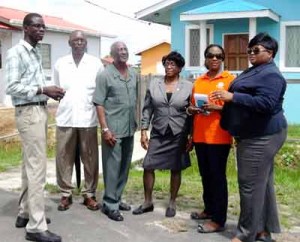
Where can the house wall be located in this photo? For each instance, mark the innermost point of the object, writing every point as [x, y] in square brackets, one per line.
[288, 11]
[59, 47]
[6, 43]
[151, 59]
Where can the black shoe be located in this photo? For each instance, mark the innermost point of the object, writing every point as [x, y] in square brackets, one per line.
[124, 207]
[265, 237]
[141, 210]
[45, 236]
[170, 212]
[22, 222]
[112, 214]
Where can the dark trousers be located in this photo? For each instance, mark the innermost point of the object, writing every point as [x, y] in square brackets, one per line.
[116, 162]
[255, 160]
[212, 160]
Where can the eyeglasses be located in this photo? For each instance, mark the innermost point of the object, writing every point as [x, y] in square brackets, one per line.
[256, 50]
[171, 64]
[38, 26]
[211, 56]
[78, 40]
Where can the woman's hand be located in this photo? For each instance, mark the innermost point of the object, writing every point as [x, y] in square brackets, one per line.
[221, 95]
[109, 138]
[144, 139]
[211, 107]
[192, 110]
[189, 144]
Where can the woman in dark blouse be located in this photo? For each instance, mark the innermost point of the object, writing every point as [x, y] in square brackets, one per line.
[253, 114]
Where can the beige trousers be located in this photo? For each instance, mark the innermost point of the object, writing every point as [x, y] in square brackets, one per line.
[31, 122]
[67, 138]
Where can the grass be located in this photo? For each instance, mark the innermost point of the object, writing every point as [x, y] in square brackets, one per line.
[10, 155]
[287, 182]
[287, 185]
[294, 131]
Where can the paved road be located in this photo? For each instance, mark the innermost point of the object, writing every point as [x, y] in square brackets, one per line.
[79, 224]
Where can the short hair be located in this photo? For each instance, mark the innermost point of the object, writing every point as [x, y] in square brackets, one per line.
[28, 18]
[114, 46]
[174, 56]
[77, 31]
[214, 45]
[265, 40]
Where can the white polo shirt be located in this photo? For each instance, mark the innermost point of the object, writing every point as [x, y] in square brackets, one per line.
[76, 109]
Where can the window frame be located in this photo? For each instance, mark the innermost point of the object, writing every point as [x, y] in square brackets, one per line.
[43, 56]
[188, 27]
[282, 48]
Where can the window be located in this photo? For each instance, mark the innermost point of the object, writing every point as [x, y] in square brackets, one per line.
[292, 46]
[289, 46]
[193, 44]
[45, 51]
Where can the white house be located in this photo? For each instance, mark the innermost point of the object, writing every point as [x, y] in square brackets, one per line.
[53, 46]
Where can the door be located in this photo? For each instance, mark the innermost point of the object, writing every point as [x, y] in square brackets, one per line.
[235, 46]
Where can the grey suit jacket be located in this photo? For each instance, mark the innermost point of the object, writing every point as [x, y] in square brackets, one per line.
[162, 113]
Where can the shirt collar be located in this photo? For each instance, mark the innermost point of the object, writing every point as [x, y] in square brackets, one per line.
[71, 59]
[28, 46]
[223, 74]
[116, 73]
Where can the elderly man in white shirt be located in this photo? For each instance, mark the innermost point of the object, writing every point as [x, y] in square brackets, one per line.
[77, 121]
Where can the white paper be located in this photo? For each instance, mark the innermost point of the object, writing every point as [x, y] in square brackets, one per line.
[200, 99]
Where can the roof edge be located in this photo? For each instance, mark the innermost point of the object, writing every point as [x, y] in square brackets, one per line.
[231, 15]
[18, 23]
[156, 7]
[152, 46]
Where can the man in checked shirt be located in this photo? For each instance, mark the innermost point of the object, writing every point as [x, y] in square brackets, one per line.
[25, 83]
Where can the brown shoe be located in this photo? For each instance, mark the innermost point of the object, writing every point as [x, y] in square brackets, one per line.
[91, 203]
[65, 203]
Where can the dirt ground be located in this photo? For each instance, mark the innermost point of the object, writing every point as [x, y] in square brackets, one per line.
[7, 124]
[7, 119]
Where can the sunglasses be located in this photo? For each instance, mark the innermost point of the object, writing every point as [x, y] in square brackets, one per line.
[211, 56]
[255, 50]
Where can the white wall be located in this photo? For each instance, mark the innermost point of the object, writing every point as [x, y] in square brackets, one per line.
[59, 47]
[6, 43]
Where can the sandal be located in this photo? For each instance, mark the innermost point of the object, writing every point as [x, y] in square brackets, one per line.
[200, 216]
[210, 227]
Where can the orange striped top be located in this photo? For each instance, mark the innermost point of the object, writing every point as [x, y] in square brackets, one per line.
[206, 128]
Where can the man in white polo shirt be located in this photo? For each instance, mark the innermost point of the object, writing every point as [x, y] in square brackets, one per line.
[76, 121]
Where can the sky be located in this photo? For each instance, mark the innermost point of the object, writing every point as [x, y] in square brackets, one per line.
[138, 35]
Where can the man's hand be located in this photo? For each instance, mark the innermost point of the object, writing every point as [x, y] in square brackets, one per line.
[54, 92]
[109, 138]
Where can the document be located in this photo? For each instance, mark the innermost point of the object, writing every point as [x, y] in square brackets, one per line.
[200, 99]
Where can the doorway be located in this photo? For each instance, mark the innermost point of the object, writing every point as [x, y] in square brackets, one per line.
[235, 46]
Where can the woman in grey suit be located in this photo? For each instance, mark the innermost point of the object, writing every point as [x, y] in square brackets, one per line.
[165, 106]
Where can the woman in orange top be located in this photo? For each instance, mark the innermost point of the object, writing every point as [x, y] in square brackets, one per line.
[212, 143]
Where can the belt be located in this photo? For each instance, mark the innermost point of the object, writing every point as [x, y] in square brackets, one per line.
[44, 103]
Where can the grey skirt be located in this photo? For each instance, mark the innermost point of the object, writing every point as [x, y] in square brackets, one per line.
[167, 152]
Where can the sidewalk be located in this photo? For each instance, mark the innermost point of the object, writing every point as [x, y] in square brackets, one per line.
[79, 224]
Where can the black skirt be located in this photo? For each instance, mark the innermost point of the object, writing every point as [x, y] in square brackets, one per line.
[167, 152]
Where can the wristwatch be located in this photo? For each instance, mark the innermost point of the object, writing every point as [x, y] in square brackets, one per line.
[104, 130]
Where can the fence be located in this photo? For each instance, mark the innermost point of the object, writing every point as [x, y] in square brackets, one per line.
[143, 82]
